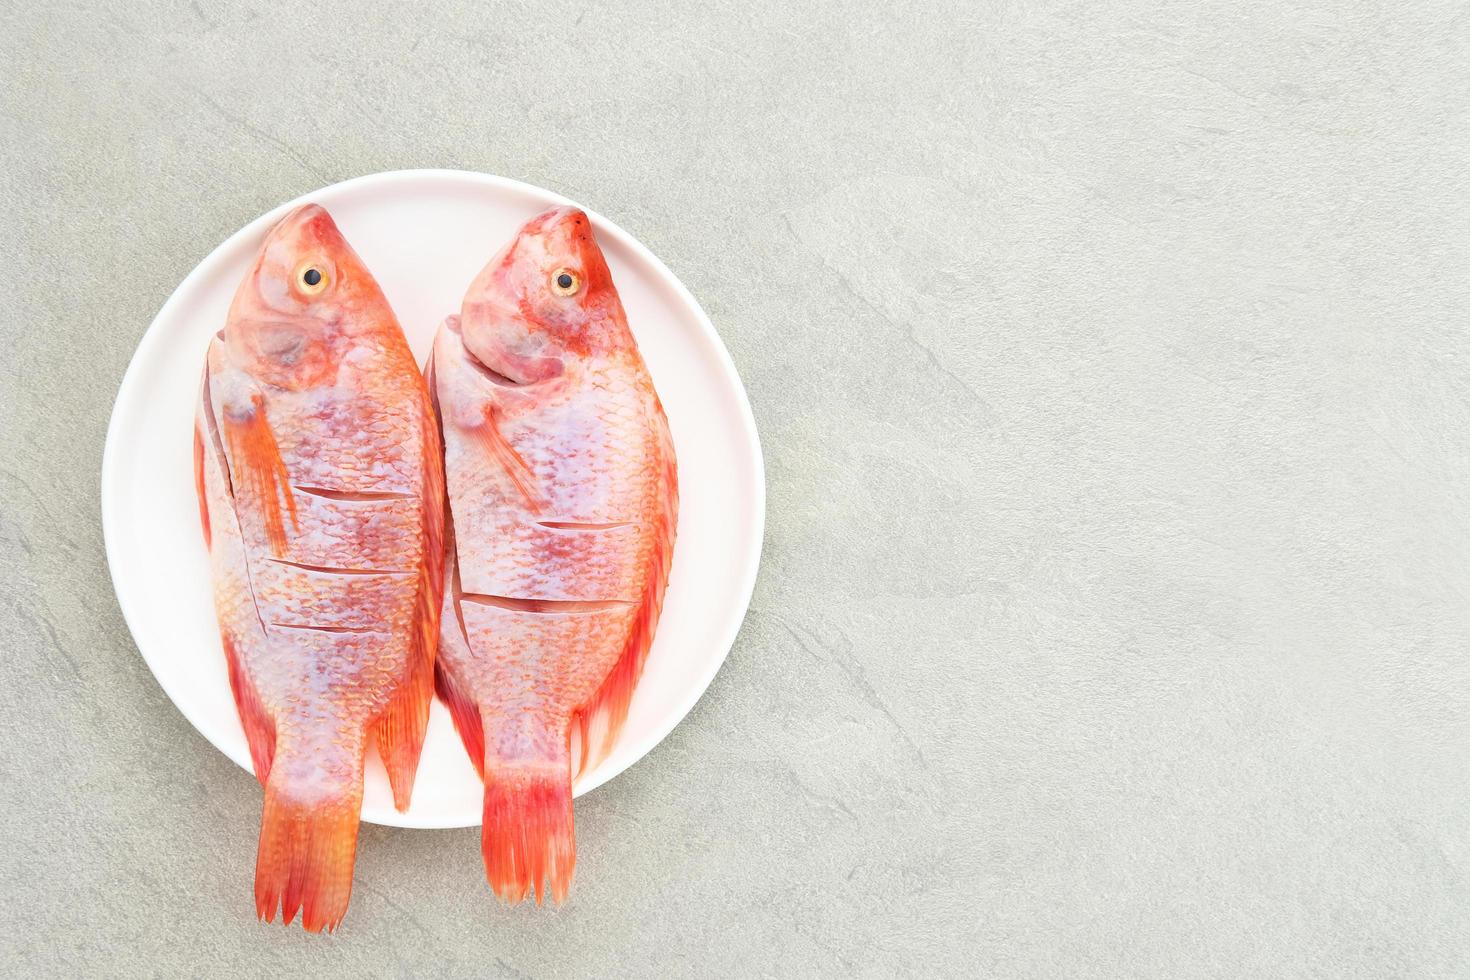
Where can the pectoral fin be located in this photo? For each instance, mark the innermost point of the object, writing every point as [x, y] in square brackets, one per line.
[488, 435]
[463, 400]
[256, 468]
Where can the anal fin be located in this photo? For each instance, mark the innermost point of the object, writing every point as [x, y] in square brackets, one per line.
[260, 729]
[452, 637]
[466, 715]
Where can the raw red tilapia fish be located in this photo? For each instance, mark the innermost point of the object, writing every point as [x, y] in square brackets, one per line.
[321, 490]
[562, 499]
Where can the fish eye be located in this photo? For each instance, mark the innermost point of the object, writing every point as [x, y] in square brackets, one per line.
[565, 282]
[311, 279]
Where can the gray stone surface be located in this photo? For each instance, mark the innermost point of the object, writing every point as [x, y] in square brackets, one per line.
[1112, 366]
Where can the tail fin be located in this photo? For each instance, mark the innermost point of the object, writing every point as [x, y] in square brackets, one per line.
[528, 840]
[307, 847]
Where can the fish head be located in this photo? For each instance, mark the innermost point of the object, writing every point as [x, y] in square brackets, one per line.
[543, 300]
[305, 294]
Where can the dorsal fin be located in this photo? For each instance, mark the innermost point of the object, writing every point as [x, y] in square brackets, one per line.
[616, 692]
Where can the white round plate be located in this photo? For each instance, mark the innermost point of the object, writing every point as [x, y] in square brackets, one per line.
[424, 234]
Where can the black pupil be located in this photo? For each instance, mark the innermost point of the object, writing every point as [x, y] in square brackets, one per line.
[564, 280]
[312, 277]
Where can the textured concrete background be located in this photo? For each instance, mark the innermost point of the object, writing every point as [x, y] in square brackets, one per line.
[1112, 363]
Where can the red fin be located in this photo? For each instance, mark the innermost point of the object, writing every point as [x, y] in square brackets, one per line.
[258, 469]
[466, 717]
[616, 691]
[400, 731]
[199, 484]
[305, 858]
[490, 437]
[462, 708]
[260, 730]
[528, 839]
[583, 721]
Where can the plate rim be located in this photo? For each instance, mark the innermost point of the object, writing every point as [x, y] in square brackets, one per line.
[127, 393]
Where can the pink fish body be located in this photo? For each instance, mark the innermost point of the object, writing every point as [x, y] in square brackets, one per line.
[321, 491]
[563, 498]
